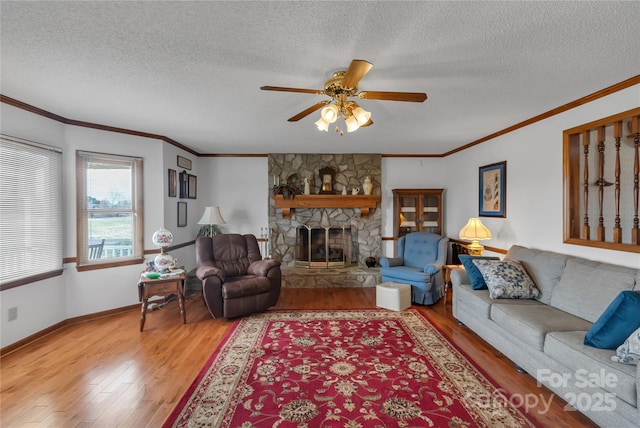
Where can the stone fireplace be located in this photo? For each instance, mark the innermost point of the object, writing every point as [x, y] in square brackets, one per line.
[321, 213]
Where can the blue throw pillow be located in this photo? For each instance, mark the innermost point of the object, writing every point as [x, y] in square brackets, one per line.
[477, 281]
[616, 323]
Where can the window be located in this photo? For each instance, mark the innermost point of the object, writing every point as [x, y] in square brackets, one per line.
[30, 212]
[109, 205]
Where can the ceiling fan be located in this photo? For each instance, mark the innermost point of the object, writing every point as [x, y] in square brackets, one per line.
[340, 87]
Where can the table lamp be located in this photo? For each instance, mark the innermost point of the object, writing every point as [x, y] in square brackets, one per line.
[162, 238]
[211, 218]
[475, 231]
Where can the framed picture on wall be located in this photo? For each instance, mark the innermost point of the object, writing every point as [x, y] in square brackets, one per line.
[184, 163]
[184, 184]
[193, 187]
[182, 214]
[492, 191]
[173, 183]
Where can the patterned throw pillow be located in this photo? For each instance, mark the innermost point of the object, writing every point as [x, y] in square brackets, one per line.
[629, 351]
[507, 279]
[477, 281]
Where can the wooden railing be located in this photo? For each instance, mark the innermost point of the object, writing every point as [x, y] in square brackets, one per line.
[606, 148]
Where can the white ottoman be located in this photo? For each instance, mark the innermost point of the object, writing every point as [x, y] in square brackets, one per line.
[393, 295]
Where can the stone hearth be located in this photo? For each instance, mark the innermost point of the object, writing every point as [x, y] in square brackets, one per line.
[350, 277]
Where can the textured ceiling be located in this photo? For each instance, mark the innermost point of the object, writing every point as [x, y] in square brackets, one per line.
[191, 71]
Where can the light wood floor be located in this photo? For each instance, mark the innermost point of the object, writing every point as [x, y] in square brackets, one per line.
[105, 373]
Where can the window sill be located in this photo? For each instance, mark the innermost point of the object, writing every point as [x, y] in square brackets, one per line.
[106, 265]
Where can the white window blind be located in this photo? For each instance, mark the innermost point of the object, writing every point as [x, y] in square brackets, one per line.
[31, 230]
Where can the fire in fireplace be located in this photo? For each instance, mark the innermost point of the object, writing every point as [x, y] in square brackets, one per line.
[324, 247]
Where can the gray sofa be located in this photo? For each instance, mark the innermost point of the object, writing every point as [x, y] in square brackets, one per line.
[545, 336]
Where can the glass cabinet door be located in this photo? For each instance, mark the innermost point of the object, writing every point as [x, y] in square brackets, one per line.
[408, 215]
[431, 214]
[417, 210]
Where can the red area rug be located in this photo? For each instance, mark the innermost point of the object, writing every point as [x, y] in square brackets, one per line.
[347, 368]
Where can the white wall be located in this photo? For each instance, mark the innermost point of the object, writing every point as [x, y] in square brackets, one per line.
[534, 182]
[240, 187]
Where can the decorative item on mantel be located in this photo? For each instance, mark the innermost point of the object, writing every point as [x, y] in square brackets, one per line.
[290, 188]
[307, 186]
[367, 186]
[370, 261]
[162, 238]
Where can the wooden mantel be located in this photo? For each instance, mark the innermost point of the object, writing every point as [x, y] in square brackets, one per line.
[364, 202]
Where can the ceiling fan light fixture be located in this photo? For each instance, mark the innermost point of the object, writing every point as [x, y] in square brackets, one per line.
[322, 125]
[361, 115]
[330, 113]
[352, 123]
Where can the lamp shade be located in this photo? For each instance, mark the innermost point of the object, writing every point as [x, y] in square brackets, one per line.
[361, 115]
[322, 125]
[162, 238]
[330, 113]
[211, 216]
[475, 230]
[352, 123]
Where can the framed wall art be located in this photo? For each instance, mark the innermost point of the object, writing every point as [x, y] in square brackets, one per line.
[193, 187]
[184, 163]
[182, 214]
[492, 192]
[184, 184]
[173, 183]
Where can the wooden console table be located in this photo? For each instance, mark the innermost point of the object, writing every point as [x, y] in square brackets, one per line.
[364, 202]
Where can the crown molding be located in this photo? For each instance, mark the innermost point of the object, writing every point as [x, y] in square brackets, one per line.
[571, 105]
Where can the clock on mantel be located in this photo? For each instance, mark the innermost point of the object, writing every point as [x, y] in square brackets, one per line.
[364, 202]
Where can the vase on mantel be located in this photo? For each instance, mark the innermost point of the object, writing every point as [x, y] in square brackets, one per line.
[367, 186]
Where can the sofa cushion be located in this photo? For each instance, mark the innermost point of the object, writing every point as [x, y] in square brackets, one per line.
[585, 361]
[243, 286]
[629, 351]
[532, 320]
[507, 279]
[616, 323]
[406, 273]
[596, 284]
[544, 267]
[477, 281]
[474, 302]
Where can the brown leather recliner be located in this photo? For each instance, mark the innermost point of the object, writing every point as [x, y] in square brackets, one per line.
[235, 279]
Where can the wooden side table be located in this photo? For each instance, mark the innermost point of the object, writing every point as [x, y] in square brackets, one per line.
[163, 286]
[446, 273]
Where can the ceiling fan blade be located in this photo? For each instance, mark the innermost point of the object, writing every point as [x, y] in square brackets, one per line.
[308, 111]
[282, 89]
[414, 97]
[356, 71]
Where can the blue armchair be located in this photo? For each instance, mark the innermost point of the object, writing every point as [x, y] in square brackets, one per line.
[421, 256]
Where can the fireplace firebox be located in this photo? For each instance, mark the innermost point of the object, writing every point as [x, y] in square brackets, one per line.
[325, 247]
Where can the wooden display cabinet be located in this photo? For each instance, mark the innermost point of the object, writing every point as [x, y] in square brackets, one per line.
[417, 210]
